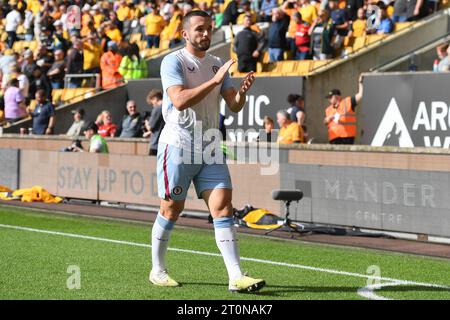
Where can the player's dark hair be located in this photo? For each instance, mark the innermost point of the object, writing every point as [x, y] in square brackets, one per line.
[195, 13]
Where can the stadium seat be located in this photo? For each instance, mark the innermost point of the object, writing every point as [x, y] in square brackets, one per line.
[288, 66]
[142, 44]
[319, 63]
[359, 43]
[303, 67]
[372, 38]
[135, 37]
[401, 26]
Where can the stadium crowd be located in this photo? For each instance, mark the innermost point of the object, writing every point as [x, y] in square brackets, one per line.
[112, 35]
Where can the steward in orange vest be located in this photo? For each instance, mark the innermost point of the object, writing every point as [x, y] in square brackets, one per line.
[340, 116]
[109, 65]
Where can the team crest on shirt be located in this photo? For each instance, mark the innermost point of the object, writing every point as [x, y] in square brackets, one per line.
[177, 190]
[215, 69]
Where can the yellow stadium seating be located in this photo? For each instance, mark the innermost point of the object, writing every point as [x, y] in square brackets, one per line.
[359, 43]
[402, 25]
[374, 38]
[304, 66]
[288, 66]
[135, 37]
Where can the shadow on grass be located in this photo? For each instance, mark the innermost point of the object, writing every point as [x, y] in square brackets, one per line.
[276, 291]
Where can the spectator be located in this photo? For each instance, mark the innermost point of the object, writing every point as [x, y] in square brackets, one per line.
[248, 46]
[297, 109]
[267, 8]
[78, 123]
[268, 128]
[245, 11]
[132, 66]
[43, 115]
[302, 38]
[56, 72]
[131, 124]
[104, 39]
[289, 7]
[173, 29]
[75, 62]
[6, 61]
[409, 10]
[358, 27]
[97, 144]
[24, 83]
[340, 24]
[39, 81]
[106, 128]
[58, 40]
[155, 123]
[92, 52]
[28, 64]
[109, 65]
[14, 102]
[321, 33]
[297, 112]
[386, 25]
[443, 62]
[154, 25]
[352, 7]
[43, 58]
[12, 21]
[28, 25]
[340, 116]
[218, 16]
[277, 35]
[308, 11]
[231, 13]
[290, 131]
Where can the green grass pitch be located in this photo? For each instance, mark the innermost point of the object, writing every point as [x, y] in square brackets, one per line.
[35, 263]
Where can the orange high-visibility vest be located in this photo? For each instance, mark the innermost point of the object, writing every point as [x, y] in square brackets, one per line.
[109, 64]
[345, 127]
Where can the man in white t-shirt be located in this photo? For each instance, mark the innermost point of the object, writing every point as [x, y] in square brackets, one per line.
[13, 20]
[193, 82]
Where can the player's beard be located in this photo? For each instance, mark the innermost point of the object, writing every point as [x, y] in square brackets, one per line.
[202, 45]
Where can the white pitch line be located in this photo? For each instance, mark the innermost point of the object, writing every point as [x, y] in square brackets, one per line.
[276, 263]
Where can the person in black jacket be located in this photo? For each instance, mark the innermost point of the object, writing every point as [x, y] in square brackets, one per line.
[131, 124]
[231, 13]
[277, 35]
[248, 46]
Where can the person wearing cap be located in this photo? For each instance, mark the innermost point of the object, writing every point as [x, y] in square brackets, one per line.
[58, 39]
[78, 123]
[43, 115]
[109, 65]
[340, 116]
[290, 131]
[97, 144]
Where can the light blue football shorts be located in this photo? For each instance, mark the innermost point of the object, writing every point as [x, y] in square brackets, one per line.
[175, 175]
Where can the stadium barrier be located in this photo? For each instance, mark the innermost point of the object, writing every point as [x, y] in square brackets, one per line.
[381, 188]
[343, 74]
[408, 109]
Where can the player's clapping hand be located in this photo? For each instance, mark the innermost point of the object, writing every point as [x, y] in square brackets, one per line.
[220, 74]
[247, 82]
